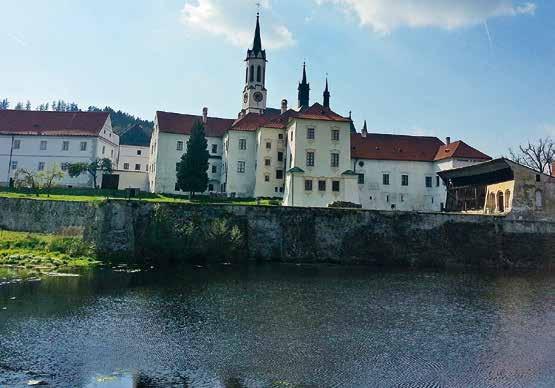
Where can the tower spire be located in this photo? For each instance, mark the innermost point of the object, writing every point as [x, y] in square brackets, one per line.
[257, 44]
[304, 90]
[327, 95]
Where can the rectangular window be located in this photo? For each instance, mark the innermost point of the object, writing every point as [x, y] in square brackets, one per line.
[103, 149]
[310, 133]
[385, 179]
[280, 157]
[83, 146]
[308, 184]
[43, 144]
[268, 145]
[280, 136]
[437, 180]
[322, 185]
[64, 166]
[214, 148]
[242, 144]
[335, 135]
[139, 152]
[240, 167]
[360, 179]
[335, 186]
[65, 146]
[179, 145]
[428, 181]
[112, 153]
[279, 174]
[16, 144]
[310, 159]
[266, 178]
[137, 167]
[404, 180]
[14, 165]
[214, 169]
[126, 166]
[41, 166]
[334, 159]
[267, 162]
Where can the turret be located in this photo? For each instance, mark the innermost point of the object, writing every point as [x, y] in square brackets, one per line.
[327, 95]
[304, 90]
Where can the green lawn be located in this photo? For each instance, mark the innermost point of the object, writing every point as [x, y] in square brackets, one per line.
[92, 195]
[44, 252]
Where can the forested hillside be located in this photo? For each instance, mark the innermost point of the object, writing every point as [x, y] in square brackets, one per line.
[120, 120]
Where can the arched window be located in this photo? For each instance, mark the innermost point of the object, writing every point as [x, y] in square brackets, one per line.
[259, 74]
[252, 73]
[491, 203]
[263, 76]
[500, 202]
[539, 199]
[508, 199]
[247, 74]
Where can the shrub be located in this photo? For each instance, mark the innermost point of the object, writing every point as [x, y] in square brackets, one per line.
[71, 246]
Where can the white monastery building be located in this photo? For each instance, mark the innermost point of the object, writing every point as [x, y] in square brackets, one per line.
[38, 140]
[308, 155]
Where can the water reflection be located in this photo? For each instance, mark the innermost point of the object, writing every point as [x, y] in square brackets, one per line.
[279, 325]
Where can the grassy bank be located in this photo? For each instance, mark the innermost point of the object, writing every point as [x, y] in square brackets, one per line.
[97, 195]
[36, 253]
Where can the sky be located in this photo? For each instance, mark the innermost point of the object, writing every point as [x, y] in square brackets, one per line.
[478, 70]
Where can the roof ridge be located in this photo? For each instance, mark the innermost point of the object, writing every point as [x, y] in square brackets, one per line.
[192, 115]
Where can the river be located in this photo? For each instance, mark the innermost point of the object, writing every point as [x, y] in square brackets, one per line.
[280, 326]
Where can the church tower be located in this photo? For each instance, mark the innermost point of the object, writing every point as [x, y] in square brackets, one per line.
[254, 93]
[327, 95]
[304, 90]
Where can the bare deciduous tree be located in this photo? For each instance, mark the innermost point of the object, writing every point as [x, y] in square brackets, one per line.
[539, 156]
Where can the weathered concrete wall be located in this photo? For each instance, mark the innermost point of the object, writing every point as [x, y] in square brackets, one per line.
[308, 234]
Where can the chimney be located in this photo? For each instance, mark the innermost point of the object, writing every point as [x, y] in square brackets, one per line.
[204, 115]
[283, 106]
[447, 140]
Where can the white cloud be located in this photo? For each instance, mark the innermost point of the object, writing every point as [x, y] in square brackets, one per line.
[234, 21]
[383, 16]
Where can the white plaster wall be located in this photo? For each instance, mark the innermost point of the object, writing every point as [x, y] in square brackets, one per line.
[29, 155]
[129, 154]
[415, 197]
[166, 155]
[323, 146]
[242, 184]
[273, 188]
[132, 179]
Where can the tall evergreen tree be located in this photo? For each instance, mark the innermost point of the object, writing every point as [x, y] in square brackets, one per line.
[192, 173]
[28, 105]
[19, 106]
[4, 104]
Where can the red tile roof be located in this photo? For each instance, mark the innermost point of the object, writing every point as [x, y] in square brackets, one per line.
[394, 147]
[253, 121]
[459, 149]
[47, 123]
[319, 112]
[183, 124]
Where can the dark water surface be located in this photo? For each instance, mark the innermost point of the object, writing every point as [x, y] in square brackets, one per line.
[282, 326]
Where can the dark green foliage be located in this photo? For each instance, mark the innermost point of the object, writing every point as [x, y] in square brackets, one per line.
[192, 174]
[99, 165]
[4, 104]
[191, 239]
[122, 121]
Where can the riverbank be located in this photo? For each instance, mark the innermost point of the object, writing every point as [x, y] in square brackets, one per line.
[28, 255]
[139, 231]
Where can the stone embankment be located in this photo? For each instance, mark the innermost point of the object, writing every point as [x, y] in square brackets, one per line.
[301, 234]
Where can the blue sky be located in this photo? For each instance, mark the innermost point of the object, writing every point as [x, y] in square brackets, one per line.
[478, 70]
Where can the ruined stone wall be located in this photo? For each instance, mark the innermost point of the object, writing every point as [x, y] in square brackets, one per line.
[306, 234]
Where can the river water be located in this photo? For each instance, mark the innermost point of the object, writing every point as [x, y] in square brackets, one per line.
[280, 326]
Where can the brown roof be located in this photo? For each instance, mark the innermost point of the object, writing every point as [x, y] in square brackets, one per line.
[460, 149]
[183, 124]
[253, 121]
[319, 112]
[47, 123]
[394, 147]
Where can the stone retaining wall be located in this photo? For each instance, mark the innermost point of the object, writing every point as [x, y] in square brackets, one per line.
[307, 234]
